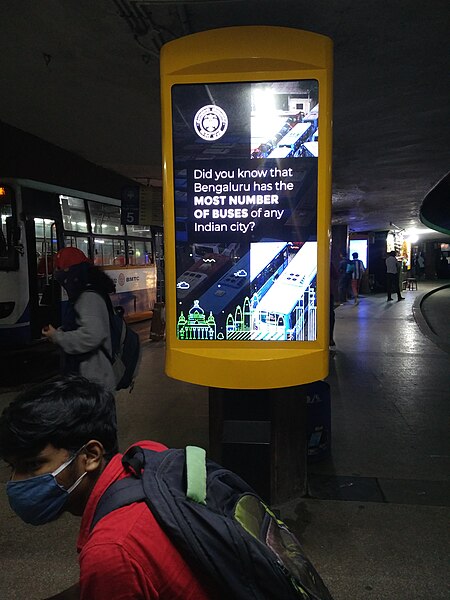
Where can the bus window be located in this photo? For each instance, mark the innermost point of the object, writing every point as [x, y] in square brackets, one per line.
[109, 252]
[43, 230]
[139, 231]
[77, 242]
[105, 219]
[74, 214]
[139, 252]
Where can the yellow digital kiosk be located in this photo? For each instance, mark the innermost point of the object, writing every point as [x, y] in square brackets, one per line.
[246, 117]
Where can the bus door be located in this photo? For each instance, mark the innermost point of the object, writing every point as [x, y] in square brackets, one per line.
[43, 227]
[44, 291]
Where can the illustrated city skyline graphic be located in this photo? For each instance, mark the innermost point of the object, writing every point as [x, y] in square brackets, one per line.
[248, 323]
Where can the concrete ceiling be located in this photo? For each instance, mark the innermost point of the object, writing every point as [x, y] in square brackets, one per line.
[84, 74]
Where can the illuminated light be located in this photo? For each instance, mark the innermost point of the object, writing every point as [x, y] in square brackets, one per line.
[264, 100]
[81, 224]
[412, 239]
[265, 121]
[3, 191]
[99, 241]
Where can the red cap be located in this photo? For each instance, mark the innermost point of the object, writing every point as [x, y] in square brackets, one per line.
[68, 257]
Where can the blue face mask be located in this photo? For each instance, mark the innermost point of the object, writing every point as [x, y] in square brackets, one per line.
[40, 499]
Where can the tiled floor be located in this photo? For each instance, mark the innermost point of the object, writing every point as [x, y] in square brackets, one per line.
[376, 520]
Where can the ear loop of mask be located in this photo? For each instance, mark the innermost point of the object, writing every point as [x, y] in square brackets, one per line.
[72, 487]
[66, 464]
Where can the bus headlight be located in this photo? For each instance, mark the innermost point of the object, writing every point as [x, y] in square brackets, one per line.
[6, 309]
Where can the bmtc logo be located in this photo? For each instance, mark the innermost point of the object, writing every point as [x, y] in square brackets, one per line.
[210, 122]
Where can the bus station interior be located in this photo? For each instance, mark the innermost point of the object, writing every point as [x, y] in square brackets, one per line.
[80, 109]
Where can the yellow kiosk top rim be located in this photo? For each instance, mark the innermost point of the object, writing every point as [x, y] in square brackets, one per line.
[217, 47]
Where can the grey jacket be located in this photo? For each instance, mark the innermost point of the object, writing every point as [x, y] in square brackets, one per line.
[92, 333]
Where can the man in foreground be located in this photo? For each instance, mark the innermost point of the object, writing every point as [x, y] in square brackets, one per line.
[60, 439]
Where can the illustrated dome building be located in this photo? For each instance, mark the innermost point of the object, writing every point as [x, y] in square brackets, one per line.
[196, 326]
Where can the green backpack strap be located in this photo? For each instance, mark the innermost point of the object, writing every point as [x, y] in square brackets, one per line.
[196, 474]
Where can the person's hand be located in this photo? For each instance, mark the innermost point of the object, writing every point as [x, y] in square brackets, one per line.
[48, 331]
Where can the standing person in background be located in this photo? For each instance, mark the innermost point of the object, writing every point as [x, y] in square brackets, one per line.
[344, 278]
[356, 276]
[84, 337]
[420, 266]
[392, 277]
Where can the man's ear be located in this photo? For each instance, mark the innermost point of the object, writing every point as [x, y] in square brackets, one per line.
[93, 454]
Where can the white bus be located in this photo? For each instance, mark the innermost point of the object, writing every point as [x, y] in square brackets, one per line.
[37, 219]
[288, 310]
[253, 273]
[297, 135]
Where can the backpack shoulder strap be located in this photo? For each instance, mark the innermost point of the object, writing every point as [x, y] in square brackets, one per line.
[121, 493]
[124, 491]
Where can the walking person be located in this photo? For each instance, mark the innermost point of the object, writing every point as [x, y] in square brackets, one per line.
[357, 271]
[392, 277]
[84, 336]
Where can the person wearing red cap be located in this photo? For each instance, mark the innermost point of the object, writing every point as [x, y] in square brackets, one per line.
[84, 336]
[68, 257]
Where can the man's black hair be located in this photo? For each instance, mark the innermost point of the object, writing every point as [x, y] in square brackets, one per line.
[66, 412]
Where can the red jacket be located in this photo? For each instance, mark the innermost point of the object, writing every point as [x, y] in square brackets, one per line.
[127, 556]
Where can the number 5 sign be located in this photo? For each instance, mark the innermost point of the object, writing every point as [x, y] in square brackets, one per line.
[130, 205]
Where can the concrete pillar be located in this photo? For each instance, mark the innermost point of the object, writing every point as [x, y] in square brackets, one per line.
[377, 260]
[431, 258]
[339, 243]
[261, 436]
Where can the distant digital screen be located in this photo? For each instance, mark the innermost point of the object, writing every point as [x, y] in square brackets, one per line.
[360, 247]
[245, 179]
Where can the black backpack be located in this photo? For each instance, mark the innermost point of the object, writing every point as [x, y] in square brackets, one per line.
[126, 348]
[224, 531]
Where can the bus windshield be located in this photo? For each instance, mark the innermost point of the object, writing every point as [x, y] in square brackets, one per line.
[7, 252]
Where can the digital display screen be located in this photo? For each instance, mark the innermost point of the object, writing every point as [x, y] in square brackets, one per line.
[245, 181]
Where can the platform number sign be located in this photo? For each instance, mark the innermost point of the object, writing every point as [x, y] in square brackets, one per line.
[130, 205]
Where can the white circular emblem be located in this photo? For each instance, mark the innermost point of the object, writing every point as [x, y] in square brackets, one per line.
[210, 122]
